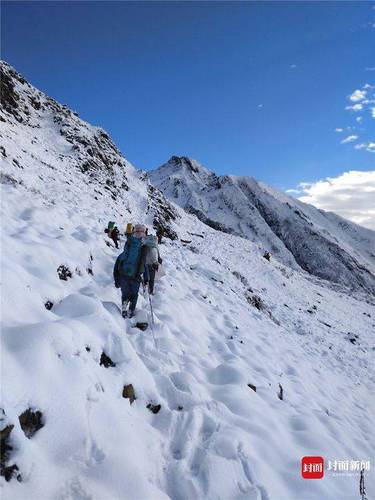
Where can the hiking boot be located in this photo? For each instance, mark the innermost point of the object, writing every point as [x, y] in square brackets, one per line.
[131, 314]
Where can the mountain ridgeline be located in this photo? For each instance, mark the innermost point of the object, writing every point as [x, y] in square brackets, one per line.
[300, 235]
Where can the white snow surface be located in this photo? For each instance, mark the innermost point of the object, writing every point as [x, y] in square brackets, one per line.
[214, 437]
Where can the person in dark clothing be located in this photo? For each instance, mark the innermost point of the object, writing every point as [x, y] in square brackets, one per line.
[127, 273]
[115, 236]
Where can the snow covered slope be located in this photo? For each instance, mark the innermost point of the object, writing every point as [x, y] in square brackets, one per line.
[254, 364]
[46, 148]
[300, 235]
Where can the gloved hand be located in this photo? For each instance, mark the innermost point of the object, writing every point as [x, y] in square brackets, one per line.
[155, 266]
[117, 285]
[160, 260]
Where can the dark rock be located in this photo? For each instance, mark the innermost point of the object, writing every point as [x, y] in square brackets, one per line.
[141, 325]
[257, 302]
[5, 447]
[180, 408]
[267, 256]
[88, 348]
[10, 471]
[64, 272]
[128, 393]
[31, 421]
[48, 305]
[154, 408]
[106, 361]
[252, 386]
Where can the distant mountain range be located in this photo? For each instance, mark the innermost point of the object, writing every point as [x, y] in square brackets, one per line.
[300, 235]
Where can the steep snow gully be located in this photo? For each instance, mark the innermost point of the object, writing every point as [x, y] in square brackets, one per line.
[251, 364]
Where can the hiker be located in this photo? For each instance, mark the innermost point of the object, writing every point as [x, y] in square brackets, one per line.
[153, 260]
[113, 233]
[115, 236]
[129, 267]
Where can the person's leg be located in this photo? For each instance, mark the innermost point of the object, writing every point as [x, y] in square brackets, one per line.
[125, 296]
[151, 280]
[134, 289]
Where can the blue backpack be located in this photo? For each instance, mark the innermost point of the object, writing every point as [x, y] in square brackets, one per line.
[130, 257]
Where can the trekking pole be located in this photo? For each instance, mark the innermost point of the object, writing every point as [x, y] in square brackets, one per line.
[152, 320]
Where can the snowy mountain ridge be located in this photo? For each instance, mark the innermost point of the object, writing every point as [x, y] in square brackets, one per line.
[37, 133]
[298, 234]
[249, 366]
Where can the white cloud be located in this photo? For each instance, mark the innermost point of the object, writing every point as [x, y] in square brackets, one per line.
[370, 69]
[292, 66]
[355, 107]
[358, 95]
[359, 119]
[369, 146]
[350, 138]
[350, 195]
[339, 130]
[373, 112]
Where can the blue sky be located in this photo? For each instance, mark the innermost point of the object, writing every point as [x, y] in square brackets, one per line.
[246, 88]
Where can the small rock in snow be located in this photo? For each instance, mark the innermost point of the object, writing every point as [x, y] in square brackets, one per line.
[106, 361]
[48, 305]
[154, 408]
[128, 393]
[31, 421]
[64, 272]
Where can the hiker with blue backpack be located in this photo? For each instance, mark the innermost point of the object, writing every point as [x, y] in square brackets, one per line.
[129, 268]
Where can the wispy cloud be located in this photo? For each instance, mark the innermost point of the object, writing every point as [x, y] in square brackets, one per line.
[362, 102]
[350, 195]
[355, 107]
[339, 130]
[368, 146]
[350, 138]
